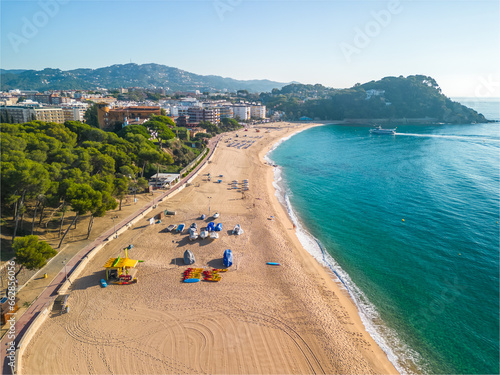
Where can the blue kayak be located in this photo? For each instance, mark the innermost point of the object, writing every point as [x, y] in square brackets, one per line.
[104, 284]
[191, 280]
[273, 264]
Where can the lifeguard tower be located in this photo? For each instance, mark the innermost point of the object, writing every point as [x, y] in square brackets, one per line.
[121, 271]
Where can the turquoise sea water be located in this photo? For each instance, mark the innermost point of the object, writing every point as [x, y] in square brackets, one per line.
[410, 223]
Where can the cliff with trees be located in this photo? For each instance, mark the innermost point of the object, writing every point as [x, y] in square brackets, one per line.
[391, 98]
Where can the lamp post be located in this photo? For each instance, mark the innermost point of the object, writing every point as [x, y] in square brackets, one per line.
[209, 198]
[114, 225]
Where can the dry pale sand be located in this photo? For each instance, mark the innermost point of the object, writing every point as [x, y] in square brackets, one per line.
[259, 319]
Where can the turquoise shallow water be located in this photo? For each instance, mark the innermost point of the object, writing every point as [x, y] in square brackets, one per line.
[427, 287]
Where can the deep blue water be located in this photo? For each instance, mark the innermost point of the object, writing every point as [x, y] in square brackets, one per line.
[411, 224]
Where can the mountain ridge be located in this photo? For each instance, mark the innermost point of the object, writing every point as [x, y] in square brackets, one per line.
[152, 76]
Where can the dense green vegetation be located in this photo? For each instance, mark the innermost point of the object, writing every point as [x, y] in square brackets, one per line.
[31, 253]
[226, 125]
[390, 98]
[76, 166]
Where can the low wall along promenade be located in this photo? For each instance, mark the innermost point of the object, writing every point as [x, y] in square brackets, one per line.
[41, 311]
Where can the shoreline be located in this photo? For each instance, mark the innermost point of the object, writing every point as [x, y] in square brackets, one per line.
[309, 324]
[326, 264]
[315, 248]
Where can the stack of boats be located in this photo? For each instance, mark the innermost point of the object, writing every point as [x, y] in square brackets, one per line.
[212, 229]
[194, 275]
[245, 185]
[213, 275]
[237, 230]
[193, 234]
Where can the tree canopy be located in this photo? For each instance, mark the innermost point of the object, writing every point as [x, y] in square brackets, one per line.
[32, 253]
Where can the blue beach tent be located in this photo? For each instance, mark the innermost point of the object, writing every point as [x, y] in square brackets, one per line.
[218, 227]
[211, 226]
[228, 258]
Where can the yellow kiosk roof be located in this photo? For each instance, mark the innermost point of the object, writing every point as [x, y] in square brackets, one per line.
[121, 263]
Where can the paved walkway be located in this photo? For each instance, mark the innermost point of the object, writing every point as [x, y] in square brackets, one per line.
[50, 292]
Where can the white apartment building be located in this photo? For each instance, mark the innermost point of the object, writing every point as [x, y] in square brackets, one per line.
[243, 112]
[258, 111]
[73, 114]
[50, 115]
[74, 111]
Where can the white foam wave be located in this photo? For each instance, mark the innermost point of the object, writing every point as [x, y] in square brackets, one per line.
[399, 354]
[457, 137]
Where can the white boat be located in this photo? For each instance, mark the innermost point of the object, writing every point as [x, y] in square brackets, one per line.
[203, 234]
[216, 215]
[237, 230]
[380, 130]
[214, 235]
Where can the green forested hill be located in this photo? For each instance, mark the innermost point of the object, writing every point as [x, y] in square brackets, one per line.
[127, 75]
[415, 96]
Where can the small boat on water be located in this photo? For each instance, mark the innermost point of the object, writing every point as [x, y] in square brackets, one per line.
[380, 130]
[171, 227]
[237, 230]
[181, 227]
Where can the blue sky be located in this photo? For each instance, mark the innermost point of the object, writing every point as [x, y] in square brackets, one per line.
[335, 43]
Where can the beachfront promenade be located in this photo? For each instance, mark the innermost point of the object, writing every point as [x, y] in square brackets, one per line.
[47, 296]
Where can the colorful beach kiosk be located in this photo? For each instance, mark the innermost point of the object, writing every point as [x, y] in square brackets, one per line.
[121, 271]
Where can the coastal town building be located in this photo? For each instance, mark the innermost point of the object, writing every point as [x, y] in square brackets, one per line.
[242, 112]
[226, 112]
[108, 117]
[212, 115]
[8, 99]
[164, 180]
[73, 114]
[17, 114]
[50, 115]
[197, 114]
[258, 111]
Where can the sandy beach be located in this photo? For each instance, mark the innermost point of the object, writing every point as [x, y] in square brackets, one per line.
[259, 319]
